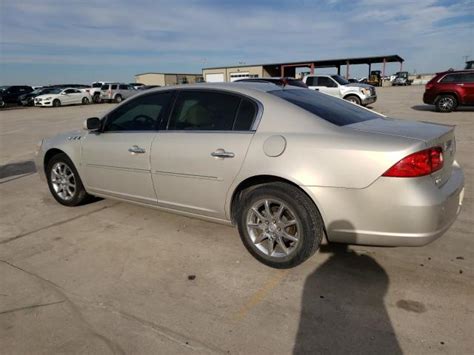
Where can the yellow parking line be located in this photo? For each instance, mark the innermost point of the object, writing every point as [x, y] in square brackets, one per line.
[261, 293]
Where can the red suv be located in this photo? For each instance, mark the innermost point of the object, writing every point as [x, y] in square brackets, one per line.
[450, 89]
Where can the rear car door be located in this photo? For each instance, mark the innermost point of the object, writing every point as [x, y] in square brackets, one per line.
[116, 161]
[468, 85]
[196, 159]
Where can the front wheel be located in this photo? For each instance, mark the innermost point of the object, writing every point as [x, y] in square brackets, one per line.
[446, 103]
[118, 99]
[279, 225]
[56, 103]
[354, 99]
[64, 181]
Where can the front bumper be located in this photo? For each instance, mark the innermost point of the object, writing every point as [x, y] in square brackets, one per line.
[369, 100]
[44, 103]
[391, 211]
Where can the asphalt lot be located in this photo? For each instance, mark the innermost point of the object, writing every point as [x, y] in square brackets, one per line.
[111, 277]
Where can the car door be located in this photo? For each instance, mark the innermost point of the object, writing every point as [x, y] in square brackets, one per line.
[196, 159]
[468, 86]
[77, 96]
[116, 160]
[67, 97]
[327, 85]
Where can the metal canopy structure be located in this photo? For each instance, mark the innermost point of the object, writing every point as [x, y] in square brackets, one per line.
[289, 68]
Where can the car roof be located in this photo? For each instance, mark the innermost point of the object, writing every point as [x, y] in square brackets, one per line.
[240, 86]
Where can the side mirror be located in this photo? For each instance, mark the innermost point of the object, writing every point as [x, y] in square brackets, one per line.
[91, 124]
[63, 93]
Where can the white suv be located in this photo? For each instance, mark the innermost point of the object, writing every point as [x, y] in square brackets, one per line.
[336, 85]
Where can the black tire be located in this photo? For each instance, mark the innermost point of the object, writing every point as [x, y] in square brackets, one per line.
[85, 101]
[96, 98]
[309, 225]
[118, 99]
[56, 103]
[354, 99]
[446, 103]
[80, 195]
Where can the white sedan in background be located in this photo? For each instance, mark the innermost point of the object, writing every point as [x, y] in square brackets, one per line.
[60, 96]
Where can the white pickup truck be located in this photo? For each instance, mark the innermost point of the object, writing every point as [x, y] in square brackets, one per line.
[94, 90]
[336, 85]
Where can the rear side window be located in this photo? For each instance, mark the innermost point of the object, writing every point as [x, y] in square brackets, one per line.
[452, 78]
[114, 87]
[104, 87]
[204, 111]
[245, 116]
[331, 109]
[123, 87]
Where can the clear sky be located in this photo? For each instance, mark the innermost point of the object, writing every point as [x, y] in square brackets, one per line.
[54, 41]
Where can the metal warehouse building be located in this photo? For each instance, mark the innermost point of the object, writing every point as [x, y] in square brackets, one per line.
[229, 74]
[165, 79]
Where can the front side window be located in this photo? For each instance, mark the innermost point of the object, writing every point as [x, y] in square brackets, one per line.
[311, 81]
[69, 91]
[468, 78]
[331, 109]
[326, 82]
[141, 114]
[114, 87]
[204, 111]
[340, 79]
[123, 87]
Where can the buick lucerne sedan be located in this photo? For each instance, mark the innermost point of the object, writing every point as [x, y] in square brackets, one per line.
[287, 165]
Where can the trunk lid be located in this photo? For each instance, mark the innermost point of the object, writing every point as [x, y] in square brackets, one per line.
[433, 134]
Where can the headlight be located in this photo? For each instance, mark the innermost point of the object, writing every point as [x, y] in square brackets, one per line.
[365, 91]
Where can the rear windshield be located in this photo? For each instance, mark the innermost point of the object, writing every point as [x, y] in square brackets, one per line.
[331, 109]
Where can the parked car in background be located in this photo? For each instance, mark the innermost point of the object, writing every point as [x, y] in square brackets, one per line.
[136, 85]
[94, 90]
[116, 92]
[336, 85]
[62, 97]
[148, 87]
[29, 99]
[450, 89]
[276, 80]
[2, 104]
[10, 94]
[287, 165]
[401, 79]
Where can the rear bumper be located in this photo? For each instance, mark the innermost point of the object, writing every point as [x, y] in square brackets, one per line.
[429, 98]
[391, 211]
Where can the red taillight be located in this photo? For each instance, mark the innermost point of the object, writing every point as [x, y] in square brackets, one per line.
[420, 163]
[429, 86]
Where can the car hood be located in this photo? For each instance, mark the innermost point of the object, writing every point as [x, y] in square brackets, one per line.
[46, 95]
[361, 85]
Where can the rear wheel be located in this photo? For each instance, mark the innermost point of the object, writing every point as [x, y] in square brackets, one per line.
[85, 101]
[279, 225]
[56, 103]
[64, 181]
[96, 98]
[118, 99]
[354, 99]
[446, 103]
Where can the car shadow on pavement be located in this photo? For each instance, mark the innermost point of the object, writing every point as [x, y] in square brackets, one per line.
[343, 309]
[15, 169]
[432, 108]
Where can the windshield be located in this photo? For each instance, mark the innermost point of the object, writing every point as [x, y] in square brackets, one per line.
[331, 109]
[340, 79]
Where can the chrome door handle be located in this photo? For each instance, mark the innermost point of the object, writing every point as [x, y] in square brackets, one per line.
[135, 149]
[221, 153]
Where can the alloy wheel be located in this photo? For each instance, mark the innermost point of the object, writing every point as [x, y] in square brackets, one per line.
[63, 181]
[273, 228]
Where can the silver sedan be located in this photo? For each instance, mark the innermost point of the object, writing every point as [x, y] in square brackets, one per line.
[287, 165]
